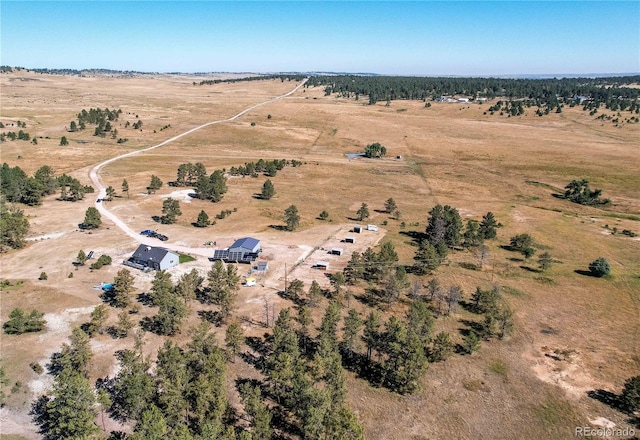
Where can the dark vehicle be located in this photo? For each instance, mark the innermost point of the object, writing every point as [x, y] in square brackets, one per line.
[161, 237]
[148, 233]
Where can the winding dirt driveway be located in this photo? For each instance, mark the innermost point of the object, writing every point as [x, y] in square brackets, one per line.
[94, 174]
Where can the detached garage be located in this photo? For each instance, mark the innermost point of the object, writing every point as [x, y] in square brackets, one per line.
[322, 265]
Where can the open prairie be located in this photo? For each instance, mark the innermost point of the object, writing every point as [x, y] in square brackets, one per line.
[573, 334]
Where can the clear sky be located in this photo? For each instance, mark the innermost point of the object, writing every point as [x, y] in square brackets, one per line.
[395, 37]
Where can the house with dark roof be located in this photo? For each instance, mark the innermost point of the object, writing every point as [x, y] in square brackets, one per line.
[244, 250]
[156, 258]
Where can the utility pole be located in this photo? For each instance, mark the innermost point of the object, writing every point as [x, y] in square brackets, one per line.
[285, 280]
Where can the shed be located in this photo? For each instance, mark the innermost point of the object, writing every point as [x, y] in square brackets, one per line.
[373, 228]
[349, 239]
[322, 265]
[154, 257]
[250, 282]
[337, 251]
[357, 229]
[262, 266]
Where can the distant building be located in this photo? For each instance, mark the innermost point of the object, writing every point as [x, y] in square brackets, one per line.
[322, 265]
[373, 228]
[262, 266]
[155, 258]
[349, 239]
[357, 229]
[244, 250]
[336, 251]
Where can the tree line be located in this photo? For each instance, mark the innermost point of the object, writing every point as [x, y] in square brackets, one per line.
[613, 92]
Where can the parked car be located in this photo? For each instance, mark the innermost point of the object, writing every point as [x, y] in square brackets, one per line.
[161, 237]
[148, 233]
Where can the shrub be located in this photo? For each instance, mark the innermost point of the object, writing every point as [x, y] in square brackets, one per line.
[102, 261]
[43, 276]
[600, 267]
[35, 366]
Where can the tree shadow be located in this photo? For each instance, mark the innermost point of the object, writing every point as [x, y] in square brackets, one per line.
[214, 317]
[468, 266]
[109, 297]
[530, 269]
[278, 227]
[473, 326]
[415, 236]
[610, 399]
[156, 218]
[145, 299]
[586, 273]
[56, 364]
[508, 247]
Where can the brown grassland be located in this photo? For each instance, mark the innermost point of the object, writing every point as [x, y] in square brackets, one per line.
[449, 154]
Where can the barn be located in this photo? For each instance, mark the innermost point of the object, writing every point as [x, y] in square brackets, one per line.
[357, 229]
[336, 251]
[349, 239]
[322, 265]
[156, 258]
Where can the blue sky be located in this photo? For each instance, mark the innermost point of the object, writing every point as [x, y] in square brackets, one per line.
[396, 37]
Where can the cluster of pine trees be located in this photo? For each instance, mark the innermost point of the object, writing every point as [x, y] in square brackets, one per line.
[268, 167]
[17, 187]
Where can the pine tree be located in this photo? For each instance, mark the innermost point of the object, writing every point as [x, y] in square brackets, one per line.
[125, 187]
[292, 218]
[154, 185]
[234, 338]
[203, 220]
[363, 212]
[92, 219]
[122, 288]
[170, 211]
[68, 411]
[268, 190]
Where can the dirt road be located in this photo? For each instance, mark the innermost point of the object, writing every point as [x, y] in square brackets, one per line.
[94, 175]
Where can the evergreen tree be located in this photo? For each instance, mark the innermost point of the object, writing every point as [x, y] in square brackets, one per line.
[488, 226]
[110, 193]
[363, 212]
[14, 225]
[545, 261]
[472, 235]
[170, 211]
[427, 258]
[67, 412]
[600, 267]
[188, 285]
[352, 325]
[268, 190]
[172, 379]
[63, 141]
[203, 220]
[151, 426]
[631, 394]
[315, 293]
[154, 185]
[81, 258]
[390, 206]
[125, 187]
[92, 219]
[442, 347]
[292, 218]
[234, 338]
[133, 385]
[122, 288]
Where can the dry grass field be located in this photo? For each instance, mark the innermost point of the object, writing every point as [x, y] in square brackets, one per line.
[451, 154]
